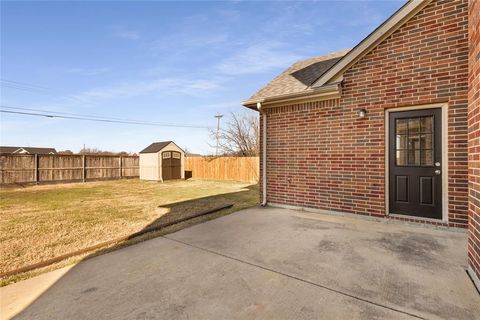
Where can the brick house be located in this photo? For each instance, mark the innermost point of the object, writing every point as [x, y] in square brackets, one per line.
[474, 142]
[381, 129]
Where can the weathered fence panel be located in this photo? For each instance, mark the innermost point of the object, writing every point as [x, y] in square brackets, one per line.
[99, 167]
[15, 168]
[32, 168]
[18, 168]
[224, 168]
[59, 167]
[130, 166]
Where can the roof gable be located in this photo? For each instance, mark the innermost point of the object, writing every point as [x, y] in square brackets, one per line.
[21, 151]
[296, 82]
[158, 146]
[398, 19]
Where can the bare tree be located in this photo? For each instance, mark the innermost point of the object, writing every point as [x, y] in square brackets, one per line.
[102, 152]
[239, 136]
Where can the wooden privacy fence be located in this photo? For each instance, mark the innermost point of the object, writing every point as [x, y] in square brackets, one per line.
[224, 168]
[33, 168]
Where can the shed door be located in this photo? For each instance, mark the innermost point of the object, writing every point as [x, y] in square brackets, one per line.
[171, 165]
[415, 149]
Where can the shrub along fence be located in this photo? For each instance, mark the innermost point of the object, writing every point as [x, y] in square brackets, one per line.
[39, 168]
[224, 168]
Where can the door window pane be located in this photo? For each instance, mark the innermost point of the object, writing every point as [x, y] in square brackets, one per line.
[401, 157]
[414, 141]
[401, 126]
[426, 141]
[413, 125]
[414, 157]
[402, 141]
[427, 158]
[426, 124]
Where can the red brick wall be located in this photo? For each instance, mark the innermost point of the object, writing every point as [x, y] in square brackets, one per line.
[474, 137]
[321, 155]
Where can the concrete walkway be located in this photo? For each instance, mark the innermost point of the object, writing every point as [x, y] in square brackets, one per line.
[264, 264]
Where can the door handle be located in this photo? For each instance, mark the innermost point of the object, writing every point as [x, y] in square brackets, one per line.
[438, 172]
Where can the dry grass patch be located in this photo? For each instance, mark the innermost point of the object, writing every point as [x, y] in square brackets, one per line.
[42, 222]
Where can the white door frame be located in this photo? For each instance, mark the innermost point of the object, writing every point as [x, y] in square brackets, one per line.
[444, 107]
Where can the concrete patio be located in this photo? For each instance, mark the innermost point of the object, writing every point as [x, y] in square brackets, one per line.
[264, 263]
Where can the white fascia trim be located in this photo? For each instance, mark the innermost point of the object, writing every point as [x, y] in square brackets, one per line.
[371, 41]
[325, 92]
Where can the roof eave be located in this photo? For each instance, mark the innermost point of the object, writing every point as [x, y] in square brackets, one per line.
[326, 92]
[402, 15]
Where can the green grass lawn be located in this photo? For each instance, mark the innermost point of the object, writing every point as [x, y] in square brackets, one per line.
[42, 222]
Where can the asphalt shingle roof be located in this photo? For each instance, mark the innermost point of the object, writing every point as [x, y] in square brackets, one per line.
[300, 76]
[31, 150]
[5, 149]
[155, 147]
[34, 150]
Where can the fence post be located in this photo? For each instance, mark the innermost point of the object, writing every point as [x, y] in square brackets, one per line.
[36, 168]
[84, 170]
[120, 167]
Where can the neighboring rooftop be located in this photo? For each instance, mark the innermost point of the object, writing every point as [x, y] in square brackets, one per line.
[189, 154]
[6, 149]
[299, 77]
[156, 146]
[27, 150]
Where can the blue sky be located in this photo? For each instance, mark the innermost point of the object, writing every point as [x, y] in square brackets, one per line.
[168, 62]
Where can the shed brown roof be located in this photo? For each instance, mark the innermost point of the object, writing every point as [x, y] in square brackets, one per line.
[156, 146]
[300, 76]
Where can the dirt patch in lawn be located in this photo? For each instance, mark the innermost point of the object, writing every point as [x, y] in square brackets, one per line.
[42, 222]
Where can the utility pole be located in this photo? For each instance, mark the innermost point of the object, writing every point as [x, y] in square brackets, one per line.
[218, 116]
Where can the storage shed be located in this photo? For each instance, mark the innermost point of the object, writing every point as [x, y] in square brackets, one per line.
[162, 161]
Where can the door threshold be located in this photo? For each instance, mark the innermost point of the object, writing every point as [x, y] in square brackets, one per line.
[399, 216]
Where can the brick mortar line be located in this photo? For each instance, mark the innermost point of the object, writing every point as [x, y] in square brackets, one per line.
[297, 278]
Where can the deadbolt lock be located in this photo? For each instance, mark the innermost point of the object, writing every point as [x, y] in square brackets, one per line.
[437, 164]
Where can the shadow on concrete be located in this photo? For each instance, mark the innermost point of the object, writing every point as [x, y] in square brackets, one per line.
[269, 263]
[168, 214]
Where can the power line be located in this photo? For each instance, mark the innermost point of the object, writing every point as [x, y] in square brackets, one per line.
[86, 118]
[34, 88]
[106, 120]
[23, 84]
[69, 114]
[101, 117]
